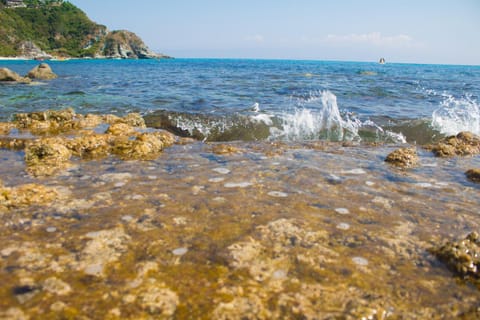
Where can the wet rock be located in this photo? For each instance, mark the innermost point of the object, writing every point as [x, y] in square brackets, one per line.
[7, 75]
[5, 128]
[403, 157]
[131, 119]
[47, 121]
[473, 175]
[103, 248]
[46, 156]
[90, 146]
[27, 195]
[13, 314]
[42, 72]
[146, 146]
[120, 129]
[224, 149]
[464, 143]
[157, 299]
[56, 286]
[242, 308]
[462, 257]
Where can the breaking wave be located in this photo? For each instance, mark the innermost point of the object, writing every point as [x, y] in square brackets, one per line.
[457, 114]
[314, 117]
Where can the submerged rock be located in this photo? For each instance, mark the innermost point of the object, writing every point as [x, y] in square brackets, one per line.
[473, 175]
[26, 195]
[464, 143]
[462, 257]
[403, 157]
[45, 156]
[42, 72]
[7, 75]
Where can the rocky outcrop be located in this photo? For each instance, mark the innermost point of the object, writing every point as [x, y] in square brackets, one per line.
[463, 144]
[42, 72]
[29, 50]
[7, 75]
[403, 157]
[124, 44]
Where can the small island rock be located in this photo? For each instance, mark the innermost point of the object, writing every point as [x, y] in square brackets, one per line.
[7, 75]
[42, 72]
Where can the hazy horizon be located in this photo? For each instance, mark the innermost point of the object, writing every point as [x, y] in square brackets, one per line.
[431, 32]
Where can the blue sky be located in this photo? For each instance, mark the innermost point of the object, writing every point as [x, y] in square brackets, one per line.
[419, 31]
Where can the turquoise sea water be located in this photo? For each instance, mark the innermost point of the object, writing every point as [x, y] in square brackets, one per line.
[269, 99]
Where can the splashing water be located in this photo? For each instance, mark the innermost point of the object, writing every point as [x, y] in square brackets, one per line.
[456, 115]
[312, 120]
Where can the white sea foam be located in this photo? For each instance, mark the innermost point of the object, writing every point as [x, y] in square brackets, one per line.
[457, 114]
[316, 117]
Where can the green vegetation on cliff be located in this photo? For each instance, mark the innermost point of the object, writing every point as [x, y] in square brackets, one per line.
[36, 29]
[58, 28]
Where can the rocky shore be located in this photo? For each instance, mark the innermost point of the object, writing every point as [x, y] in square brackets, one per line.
[103, 218]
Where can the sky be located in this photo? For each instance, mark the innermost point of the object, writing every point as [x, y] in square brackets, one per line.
[411, 31]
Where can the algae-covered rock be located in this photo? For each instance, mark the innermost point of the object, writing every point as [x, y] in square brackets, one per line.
[403, 157]
[473, 175]
[45, 156]
[146, 146]
[26, 195]
[104, 247]
[120, 129]
[224, 149]
[462, 257]
[5, 128]
[464, 143]
[132, 119]
[90, 146]
[46, 121]
[7, 75]
[42, 72]
[157, 299]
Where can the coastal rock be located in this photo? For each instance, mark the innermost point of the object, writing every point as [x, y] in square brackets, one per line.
[464, 143]
[462, 257]
[403, 157]
[123, 44]
[224, 149]
[473, 175]
[26, 195]
[7, 75]
[50, 121]
[29, 50]
[90, 146]
[120, 129]
[45, 156]
[146, 146]
[104, 247]
[5, 128]
[42, 72]
[157, 299]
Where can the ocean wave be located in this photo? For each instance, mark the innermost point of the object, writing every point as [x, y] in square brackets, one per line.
[313, 117]
[457, 114]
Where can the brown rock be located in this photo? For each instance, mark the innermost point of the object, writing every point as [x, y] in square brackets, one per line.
[464, 143]
[45, 156]
[120, 129]
[473, 175]
[224, 149]
[42, 72]
[462, 257]
[26, 195]
[91, 146]
[47, 121]
[403, 157]
[7, 75]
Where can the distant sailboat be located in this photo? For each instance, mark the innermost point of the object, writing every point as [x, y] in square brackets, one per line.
[382, 61]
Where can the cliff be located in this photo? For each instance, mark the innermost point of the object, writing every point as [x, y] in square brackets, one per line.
[45, 29]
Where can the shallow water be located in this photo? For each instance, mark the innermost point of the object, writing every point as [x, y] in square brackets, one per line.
[277, 230]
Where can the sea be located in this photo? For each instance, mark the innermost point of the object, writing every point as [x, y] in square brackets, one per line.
[265, 99]
[275, 202]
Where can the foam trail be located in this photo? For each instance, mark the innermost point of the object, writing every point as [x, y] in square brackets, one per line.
[456, 115]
